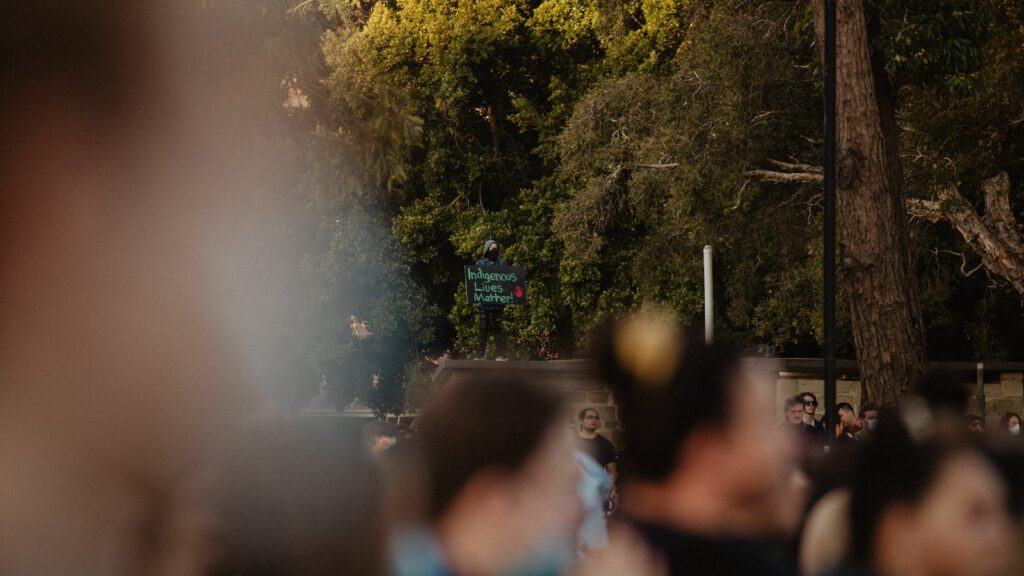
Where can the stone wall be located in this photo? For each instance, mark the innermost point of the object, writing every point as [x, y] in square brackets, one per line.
[1004, 385]
[1004, 393]
[575, 378]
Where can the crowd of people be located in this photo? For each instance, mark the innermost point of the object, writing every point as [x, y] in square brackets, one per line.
[709, 482]
[134, 438]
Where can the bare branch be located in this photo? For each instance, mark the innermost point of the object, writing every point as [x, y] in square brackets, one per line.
[303, 7]
[739, 197]
[996, 253]
[796, 167]
[785, 177]
[658, 166]
[998, 212]
[963, 262]
[930, 210]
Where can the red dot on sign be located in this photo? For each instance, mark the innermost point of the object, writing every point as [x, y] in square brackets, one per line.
[519, 291]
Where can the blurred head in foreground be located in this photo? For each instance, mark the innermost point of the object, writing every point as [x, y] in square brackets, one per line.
[300, 498]
[124, 235]
[708, 457]
[926, 508]
[501, 477]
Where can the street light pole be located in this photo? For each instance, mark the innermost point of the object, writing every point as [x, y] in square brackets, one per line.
[709, 297]
[830, 217]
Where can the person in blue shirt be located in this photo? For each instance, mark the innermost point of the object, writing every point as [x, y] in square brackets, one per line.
[491, 313]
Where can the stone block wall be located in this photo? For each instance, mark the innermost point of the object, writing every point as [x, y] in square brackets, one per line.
[1006, 394]
[575, 378]
[583, 389]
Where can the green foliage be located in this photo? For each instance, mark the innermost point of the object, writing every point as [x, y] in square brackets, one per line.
[658, 164]
[604, 143]
[963, 137]
[940, 42]
[363, 278]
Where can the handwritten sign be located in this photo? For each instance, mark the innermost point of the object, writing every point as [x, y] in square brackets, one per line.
[495, 285]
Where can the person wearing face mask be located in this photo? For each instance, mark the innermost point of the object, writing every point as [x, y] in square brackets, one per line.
[1010, 422]
[868, 420]
[491, 313]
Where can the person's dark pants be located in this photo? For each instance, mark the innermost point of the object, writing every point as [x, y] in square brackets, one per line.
[490, 323]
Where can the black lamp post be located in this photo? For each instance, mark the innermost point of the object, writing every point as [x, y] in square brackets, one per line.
[830, 217]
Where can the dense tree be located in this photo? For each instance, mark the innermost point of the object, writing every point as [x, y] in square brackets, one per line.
[658, 168]
[606, 142]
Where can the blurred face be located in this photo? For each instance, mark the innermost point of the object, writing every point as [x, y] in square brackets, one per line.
[545, 507]
[591, 421]
[870, 419]
[961, 527]
[1013, 425]
[114, 314]
[810, 404]
[758, 457]
[847, 418]
[795, 414]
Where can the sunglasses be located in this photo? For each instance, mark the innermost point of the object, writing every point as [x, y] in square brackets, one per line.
[810, 402]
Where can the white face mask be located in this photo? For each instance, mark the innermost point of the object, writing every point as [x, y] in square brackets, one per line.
[1015, 429]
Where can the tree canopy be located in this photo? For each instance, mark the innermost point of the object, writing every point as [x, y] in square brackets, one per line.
[604, 143]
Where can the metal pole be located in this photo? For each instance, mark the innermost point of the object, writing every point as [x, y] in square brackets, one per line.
[830, 217]
[709, 297]
[979, 398]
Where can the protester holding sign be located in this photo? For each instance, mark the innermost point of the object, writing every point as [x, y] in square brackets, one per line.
[491, 311]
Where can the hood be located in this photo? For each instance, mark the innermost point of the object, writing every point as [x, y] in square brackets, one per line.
[487, 245]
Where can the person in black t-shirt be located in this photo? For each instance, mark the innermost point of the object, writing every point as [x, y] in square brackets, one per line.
[599, 447]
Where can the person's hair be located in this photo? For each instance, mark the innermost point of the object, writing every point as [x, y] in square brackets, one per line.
[845, 406]
[802, 394]
[869, 407]
[943, 391]
[583, 413]
[94, 54]
[792, 401]
[1004, 422]
[668, 382]
[891, 471]
[487, 422]
[297, 497]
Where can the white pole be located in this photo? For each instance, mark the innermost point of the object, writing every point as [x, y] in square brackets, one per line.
[709, 298]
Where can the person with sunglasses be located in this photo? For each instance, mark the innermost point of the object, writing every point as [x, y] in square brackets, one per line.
[815, 427]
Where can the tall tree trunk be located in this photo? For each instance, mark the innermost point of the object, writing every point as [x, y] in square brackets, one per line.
[876, 261]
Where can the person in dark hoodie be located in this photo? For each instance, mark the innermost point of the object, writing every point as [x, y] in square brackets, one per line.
[490, 313]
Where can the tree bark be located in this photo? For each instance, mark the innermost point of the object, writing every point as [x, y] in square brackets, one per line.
[877, 269]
